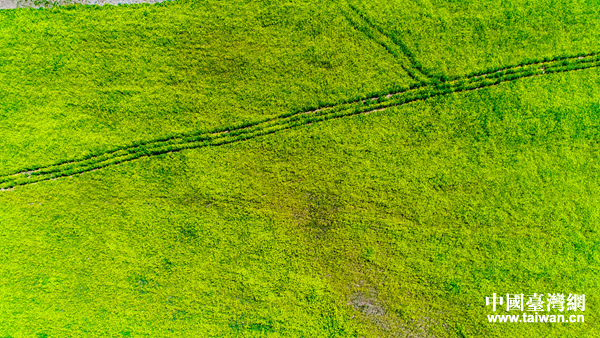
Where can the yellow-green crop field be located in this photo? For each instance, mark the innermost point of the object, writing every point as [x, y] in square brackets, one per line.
[299, 168]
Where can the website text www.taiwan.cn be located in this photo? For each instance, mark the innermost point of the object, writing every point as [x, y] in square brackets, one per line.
[536, 308]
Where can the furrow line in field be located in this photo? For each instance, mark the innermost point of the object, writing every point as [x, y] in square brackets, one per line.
[386, 40]
[359, 22]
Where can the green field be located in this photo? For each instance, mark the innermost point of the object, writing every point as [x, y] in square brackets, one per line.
[297, 169]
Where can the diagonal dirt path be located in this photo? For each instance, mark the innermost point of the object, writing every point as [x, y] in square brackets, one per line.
[233, 134]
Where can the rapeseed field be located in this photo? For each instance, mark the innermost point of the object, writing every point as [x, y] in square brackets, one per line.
[300, 169]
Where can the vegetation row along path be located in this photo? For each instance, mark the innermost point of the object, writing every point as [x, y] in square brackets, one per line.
[250, 130]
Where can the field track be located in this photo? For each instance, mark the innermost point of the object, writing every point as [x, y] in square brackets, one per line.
[393, 45]
[226, 135]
